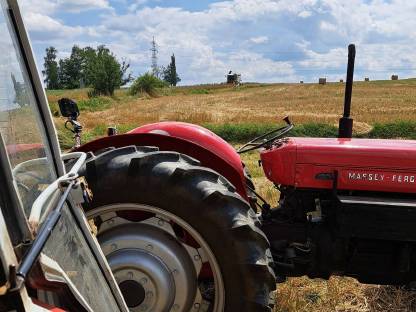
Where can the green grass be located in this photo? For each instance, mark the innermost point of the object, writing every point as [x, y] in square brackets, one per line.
[95, 104]
[89, 104]
[400, 129]
[66, 139]
[245, 132]
[241, 133]
[199, 91]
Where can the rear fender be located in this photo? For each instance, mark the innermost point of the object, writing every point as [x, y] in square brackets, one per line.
[207, 152]
[197, 135]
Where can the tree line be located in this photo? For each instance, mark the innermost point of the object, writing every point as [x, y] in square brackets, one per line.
[86, 67]
[98, 69]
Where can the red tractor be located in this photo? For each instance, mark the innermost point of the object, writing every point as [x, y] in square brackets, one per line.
[177, 216]
[347, 207]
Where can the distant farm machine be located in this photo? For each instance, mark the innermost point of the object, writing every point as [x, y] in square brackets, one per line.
[233, 78]
[176, 213]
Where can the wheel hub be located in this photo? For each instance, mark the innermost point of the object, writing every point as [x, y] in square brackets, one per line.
[133, 293]
[151, 280]
[148, 256]
[155, 270]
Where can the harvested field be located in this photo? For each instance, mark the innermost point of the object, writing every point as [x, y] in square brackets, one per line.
[375, 102]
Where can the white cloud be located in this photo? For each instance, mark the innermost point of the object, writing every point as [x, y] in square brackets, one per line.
[136, 5]
[45, 28]
[262, 39]
[82, 5]
[305, 14]
[50, 7]
[194, 37]
[327, 26]
[254, 9]
[46, 7]
[259, 39]
[334, 58]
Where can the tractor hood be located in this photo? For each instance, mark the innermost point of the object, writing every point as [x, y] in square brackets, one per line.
[361, 164]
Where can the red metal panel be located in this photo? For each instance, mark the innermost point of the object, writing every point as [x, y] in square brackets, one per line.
[17, 148]
[365, 153]
[47, 306]
[279, 163]
[362, 164]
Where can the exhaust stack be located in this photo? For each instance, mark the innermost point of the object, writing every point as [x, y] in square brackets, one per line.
[346, 123]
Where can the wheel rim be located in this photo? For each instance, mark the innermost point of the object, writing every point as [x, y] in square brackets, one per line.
[158, 259]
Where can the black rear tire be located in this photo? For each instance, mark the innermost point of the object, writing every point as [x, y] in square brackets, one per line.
[178, 184]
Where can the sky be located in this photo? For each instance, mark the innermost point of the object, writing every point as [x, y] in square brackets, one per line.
[264, 40]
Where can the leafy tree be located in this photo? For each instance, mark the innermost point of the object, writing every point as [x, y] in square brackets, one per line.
[21, 97]
[62, 78]
[105, 72]
[51, 69]
[88, 55]
[125, 79]
[169, 73]
[70, 69]
[96, 68]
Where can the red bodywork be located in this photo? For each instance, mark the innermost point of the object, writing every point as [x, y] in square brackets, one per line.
[195, 141]
[362, 164]
[19, 148]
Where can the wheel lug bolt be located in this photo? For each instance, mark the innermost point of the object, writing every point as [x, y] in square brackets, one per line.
[161, 222]
[149, 247]
[197, 257]
[113, 246]
[196, 305]
[143, 281]
[130, 275]
[149, 294]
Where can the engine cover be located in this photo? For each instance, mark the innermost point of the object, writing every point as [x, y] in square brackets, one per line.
[359, 164]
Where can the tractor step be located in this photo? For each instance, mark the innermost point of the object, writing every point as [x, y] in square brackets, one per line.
[377, 201]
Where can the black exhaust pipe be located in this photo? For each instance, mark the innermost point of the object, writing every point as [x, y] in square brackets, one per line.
[346, 123]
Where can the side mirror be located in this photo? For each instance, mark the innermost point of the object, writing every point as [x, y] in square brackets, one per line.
[287, 120]
[68, 108]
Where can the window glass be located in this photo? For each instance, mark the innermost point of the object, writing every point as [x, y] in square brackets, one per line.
[68, 247]
[20, 123]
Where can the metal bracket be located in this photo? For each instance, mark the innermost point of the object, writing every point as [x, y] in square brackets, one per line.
[38, 206]
[79, 193]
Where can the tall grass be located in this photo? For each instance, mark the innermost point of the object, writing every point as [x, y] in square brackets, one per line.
[94, 104]
[147, 84]
[241, 133]
[247, 131]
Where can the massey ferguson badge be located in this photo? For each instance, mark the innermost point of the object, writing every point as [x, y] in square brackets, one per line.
[380, 177]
